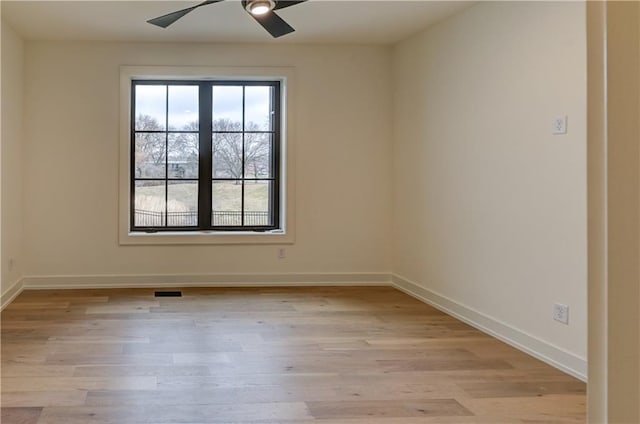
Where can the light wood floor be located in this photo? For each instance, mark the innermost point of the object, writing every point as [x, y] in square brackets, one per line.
[282, 355]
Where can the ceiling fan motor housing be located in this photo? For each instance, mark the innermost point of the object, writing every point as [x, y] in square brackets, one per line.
[252, 6]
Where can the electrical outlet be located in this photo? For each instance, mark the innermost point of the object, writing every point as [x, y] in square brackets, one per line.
[559, 125]
[11, 263]
[561, 313]
[282, 253]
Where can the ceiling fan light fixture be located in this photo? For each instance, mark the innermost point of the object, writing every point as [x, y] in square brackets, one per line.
[260, 7]
[262, 11]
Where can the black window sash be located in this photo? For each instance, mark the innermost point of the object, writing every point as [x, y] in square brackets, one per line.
[205, 159]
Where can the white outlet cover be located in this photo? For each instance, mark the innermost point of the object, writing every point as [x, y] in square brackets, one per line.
[561, 313]
[559, 125]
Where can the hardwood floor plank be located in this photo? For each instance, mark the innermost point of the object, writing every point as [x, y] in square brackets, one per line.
[121, 309]
[22, 370]
[419, 420]
[260, 412]
[93, 339]
[140, 370]
[547, 408]
[443, 365]
[11, 350]
[201, 358]
[194, 396]
[198, 394]
[79, 358]
[18, 306]
[387, 408]
[196, 345]
[41, 399]
[13, 415]
[47, 384]
[523, 389]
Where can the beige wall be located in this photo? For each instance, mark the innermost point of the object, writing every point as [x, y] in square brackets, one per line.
[12, 138]
[489, 206]
[343, 170]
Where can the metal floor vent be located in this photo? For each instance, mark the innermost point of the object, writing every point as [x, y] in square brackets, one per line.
[168, 294]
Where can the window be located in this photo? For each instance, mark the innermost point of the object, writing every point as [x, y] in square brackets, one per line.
[205, 155]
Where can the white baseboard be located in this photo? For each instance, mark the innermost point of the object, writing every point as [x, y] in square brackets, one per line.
[546, 352]
[11, 293]
[205, 280]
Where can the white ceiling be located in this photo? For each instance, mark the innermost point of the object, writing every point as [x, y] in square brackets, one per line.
[316, 21]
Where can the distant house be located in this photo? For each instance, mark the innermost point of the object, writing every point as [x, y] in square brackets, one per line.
[176, 169]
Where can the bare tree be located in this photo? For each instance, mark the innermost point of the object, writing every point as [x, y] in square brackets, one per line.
[228, 147]
[149, 146]
[184, 148]
[228, 150]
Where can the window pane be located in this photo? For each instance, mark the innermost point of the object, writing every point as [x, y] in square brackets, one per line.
[257, 196]
[150, 155]
[227, 108]
[258, 108]
[242, 146]
[149, 204]
[183, 107]
[227, 203]
[183, 204]
[183, 155]
[151, 107]
[257, 153]
[227, 155]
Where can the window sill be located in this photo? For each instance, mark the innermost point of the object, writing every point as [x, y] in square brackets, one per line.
[205, 237]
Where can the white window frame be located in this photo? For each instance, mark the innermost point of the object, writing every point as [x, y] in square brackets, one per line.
[286, 234]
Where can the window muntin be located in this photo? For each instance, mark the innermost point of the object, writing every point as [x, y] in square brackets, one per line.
[205, 155]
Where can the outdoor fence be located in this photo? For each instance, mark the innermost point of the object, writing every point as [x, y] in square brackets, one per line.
[144, 218]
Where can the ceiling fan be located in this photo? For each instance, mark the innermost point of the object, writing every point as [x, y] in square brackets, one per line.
[262, 11]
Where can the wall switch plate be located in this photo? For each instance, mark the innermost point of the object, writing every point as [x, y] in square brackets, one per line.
[559, 125]
[561, 313]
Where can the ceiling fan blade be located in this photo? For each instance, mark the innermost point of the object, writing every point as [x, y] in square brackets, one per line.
[281, 4]
[166, 20]
[274, 24]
